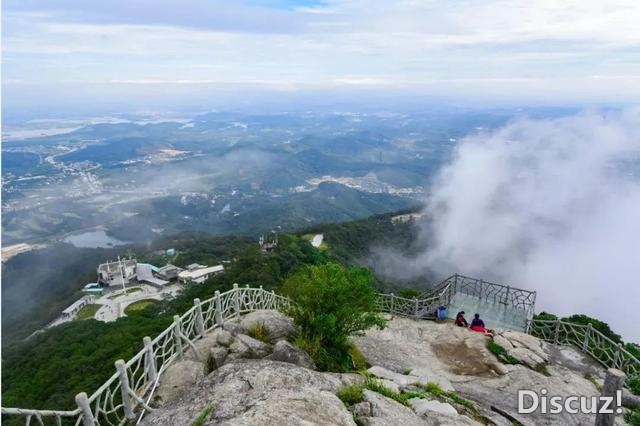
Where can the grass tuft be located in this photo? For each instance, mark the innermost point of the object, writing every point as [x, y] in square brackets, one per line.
[501, 353]
[259, 332]
[202, 417]
[351, 394]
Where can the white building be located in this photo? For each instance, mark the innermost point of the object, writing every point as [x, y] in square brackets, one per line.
[199, 275]
[73, 310]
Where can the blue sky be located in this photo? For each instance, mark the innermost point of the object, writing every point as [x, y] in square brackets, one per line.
[574, 51]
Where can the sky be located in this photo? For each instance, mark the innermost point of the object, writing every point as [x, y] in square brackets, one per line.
[122, 53]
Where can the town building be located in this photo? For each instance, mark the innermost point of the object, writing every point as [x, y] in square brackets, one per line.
[199, 273]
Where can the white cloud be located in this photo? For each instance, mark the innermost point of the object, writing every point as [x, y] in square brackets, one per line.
[543, 47]
[550, 205]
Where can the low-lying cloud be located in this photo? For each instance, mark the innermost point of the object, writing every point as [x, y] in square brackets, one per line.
[550, 205]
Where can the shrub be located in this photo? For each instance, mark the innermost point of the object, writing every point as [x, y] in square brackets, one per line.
[501, 353]
[259, 331]
[351, 394]
[357, 359]
[331, 304]
[633, 384]
[632, 417]
[409, 293]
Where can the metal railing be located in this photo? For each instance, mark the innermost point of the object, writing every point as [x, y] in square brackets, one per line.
[441, 295]
[589, 340]
[125, 396]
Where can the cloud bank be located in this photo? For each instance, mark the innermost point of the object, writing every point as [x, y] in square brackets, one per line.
[550, 205]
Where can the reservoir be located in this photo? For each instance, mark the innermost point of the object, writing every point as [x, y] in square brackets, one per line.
[93, 239]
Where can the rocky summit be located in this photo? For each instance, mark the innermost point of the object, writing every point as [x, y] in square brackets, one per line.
[232, 378]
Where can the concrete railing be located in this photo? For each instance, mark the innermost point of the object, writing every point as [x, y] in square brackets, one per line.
[589, 340]
[126, 395]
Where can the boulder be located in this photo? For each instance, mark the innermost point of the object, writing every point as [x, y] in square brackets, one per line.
[527, 349]
[285, 352]
[218, 355]
[386, 411]
[259, 392]
[224, 338]
[234, 328]
[427, 375]
[177, 380]
[361, 409]
[278, 325]
[203, 348]
[401, 380]
[425, 407]
[247, 347]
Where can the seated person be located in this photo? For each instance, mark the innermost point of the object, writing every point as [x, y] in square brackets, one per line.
[478, 325]
[460, 320]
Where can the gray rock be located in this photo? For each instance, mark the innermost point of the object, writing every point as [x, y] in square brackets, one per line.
[285, 352]
[462, 357]
[630, 400]
[424, 407]
[218, 355]
[277, 324]
[361, 409]
[260, 392]
[233, 328]
[177, 380]
[401, 380]
[224, 338]
[386, 411]
[203, 348]
[427, 375]
[527, 349]
[248, 347]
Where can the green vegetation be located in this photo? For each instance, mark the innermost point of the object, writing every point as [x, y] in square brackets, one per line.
[435, 390]
[633, 384]
[202, 417]
[358, 360]
[49, 369]
[409, 293]
[590, 377]
[139, 306]
[88, 311]
[376, 385]
[351, 394]
[501, 353]
[331, 303]
[259, 331]
[632, 417]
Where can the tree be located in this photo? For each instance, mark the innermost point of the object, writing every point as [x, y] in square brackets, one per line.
[330, 304]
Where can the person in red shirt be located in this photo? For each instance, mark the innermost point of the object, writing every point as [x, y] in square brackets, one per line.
[460, 320]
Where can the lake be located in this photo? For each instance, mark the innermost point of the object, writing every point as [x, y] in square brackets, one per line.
[94, 239]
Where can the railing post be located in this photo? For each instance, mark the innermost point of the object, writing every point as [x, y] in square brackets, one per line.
[125, 389]
[177, 331]
[612, 384]
[218, 312]
[556, 335]
[149, 360]
[199, 318]
[506, 297]
[393, 297]
[261, 298]
[415, 299]
[83, 403]
[236, 299]
[481, 288]
[616, 358]
[587, 336]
